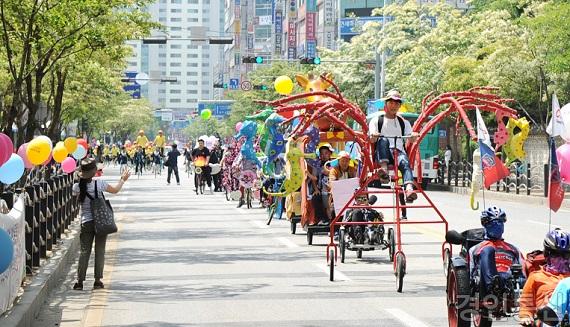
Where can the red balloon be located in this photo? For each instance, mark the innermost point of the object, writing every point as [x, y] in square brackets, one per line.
[83, 143]
[6, 148]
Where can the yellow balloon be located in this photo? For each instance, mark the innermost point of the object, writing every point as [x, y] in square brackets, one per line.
[38, 151]
[70, 144]
[59, 153]
[283, 85]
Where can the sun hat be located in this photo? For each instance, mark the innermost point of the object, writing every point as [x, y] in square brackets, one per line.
[393, 95]
[88, 168]
[343, 154]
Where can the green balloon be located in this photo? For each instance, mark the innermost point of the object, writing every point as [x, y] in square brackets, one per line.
[206, 114]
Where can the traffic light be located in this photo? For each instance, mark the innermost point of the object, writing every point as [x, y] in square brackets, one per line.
[252, 60]
[260, 87]
[220, 85]
[311, 61]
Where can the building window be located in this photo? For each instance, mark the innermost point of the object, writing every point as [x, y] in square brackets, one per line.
[132, 63]
[174, 100]
[192, 64]
[193, 11]
[192, 91]
[175, 55]
[175, 64]
[263, 7]
[162, 91]
[206, 2]
[176, 1]
[175, 19]
[194, 82]
[175, 29]
[262, 32]
[205, 64]
[206, 55]
[162, 55]
[192, 47]
[205, 83]
[206, 11]
[191, 73]
[175, 91]
[175, 10]
[193, 2]
[176, 46]
[205, 92]
[192, 55]
[161, 64]
[162, 10]
[176, 73]
[205, 74]
[192, 20]
[205, 20]
[191, 100]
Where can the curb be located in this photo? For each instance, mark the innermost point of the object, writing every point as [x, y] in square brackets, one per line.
[501, 196]
[28, 306]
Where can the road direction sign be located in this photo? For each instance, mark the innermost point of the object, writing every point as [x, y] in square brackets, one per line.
[234, 83]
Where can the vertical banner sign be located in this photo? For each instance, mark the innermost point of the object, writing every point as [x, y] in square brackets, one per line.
[278, 46]
[292, 30]
[310, 29]
[329, 22]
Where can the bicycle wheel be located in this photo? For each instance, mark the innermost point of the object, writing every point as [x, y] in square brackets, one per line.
[248, 198]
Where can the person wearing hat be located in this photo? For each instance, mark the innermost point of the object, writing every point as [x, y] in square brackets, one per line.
[382, 130]
[160, 142]
[318, 186]
[84, 190]
[142, 140]
[343, 169]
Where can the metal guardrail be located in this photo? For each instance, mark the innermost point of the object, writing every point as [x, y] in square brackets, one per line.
[49, 210]
[523, 178]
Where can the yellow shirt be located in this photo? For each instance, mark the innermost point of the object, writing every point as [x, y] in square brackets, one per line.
[106, 151]
[141, 140]
[159, 141]
[114, 152]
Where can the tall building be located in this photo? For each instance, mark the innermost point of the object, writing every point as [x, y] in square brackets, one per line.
[195, 64]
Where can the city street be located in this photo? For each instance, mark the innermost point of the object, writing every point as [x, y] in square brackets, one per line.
[181, 259]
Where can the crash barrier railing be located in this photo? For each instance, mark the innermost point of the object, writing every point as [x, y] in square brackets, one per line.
[523, 178]
[50, 208]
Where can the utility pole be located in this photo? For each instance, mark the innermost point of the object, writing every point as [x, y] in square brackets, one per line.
[377, 76]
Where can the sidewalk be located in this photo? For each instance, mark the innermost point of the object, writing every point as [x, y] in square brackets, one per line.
[535, 199]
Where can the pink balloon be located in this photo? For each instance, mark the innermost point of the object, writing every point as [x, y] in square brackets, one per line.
[563, 156]
[6, 148]
[22, 154]
[68, 165]
[238, 126]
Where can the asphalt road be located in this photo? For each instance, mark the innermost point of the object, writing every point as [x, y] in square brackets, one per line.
[186, 260]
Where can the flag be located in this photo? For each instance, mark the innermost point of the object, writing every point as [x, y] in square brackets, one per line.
[493, 168]
[557, 126]
[555, 190]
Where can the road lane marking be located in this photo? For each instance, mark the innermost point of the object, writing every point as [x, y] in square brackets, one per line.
[405, 318]
[259, 224]
[287, 242]
[338, 275]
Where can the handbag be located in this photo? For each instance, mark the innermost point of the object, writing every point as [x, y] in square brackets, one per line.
[102, 214]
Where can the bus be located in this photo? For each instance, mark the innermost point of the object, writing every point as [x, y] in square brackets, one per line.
[429, 148]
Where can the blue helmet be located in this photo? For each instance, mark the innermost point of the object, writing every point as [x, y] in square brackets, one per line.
[556, 241]
[491, 214]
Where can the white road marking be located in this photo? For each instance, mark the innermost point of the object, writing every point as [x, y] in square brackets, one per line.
[338, 275]
[287, 242]
[260, 224]
[405, 318]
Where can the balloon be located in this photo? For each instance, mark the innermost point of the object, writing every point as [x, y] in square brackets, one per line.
[68, 165]
[238, 126]
[22, 154]
[79, 153]
[83, 143]
[70, 144]
[38, 150]
[6, 250]
[206, 114]
[59, 152]
[283, 85]
[563, 156]
[48, 160]
[12, 170]
[6, 148]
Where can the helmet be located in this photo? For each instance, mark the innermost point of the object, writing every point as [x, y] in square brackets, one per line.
[160, 131]
[556, 241]
[141, 131]
[492, 213]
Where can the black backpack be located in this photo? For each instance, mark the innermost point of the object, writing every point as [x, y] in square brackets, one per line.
[400, 120]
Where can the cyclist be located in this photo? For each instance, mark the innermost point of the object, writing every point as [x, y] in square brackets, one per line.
[141, 140]
[122, 159]
[392, 125]
[106, 154]
[160, 142]
[540, 284]
[139, 159]
[201, 153]
[114, 152]
[319, 183]
[493, 258]
[157, 160]
[215, 158]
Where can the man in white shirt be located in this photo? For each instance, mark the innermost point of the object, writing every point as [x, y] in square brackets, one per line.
[382, 130]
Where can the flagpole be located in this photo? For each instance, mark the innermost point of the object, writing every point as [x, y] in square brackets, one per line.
[551, 139]
[483, 181]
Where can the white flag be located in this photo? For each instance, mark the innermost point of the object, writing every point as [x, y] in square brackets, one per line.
[560, 119]
[482, 133]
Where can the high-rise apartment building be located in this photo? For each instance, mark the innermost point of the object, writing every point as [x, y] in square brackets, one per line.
[195, 64]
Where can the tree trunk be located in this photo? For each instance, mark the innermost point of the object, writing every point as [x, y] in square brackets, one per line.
[54, 131]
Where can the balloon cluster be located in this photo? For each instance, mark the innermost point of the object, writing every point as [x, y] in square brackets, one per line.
[38, 152]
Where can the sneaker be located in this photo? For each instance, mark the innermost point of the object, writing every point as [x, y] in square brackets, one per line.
[383, 175]
[177, 183]
[167, 183]
[411, 196]
[98, 285]
[241, 203]
[78, 286]
[211, 191]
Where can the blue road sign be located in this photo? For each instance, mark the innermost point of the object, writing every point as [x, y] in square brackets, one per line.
[234, 83]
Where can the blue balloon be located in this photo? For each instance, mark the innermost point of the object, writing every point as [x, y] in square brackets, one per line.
[79, 153]
[6, 250]
[12, 170]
